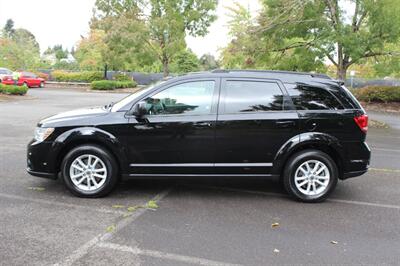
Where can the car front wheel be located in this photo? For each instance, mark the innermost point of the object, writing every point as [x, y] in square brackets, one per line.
[89, 171]
[310, 176]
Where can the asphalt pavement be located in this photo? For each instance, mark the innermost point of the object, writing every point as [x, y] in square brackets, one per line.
[198, 221]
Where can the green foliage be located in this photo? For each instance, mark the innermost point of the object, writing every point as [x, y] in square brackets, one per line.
[13, 90]
[208, 62]
[325, 28]
[251, 50]
[91, 51]
[58, 51]
[378, 94]
[83, 76]
[8, 30]
[112, 84]
[138, 40]
[122, 77]
[18, 49]
[185, 62]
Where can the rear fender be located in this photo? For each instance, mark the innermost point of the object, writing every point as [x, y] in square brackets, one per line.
[310, 140]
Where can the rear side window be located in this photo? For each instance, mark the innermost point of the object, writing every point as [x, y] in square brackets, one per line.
[252, 96]
[313, 98]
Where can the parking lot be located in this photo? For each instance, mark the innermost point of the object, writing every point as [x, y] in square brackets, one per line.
[197, 222]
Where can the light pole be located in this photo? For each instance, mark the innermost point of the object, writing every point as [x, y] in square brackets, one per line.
[352, 74]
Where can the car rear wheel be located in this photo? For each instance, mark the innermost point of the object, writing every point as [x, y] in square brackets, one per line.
[41, 84]
[90, 171]
[26, 84]
[310, 176]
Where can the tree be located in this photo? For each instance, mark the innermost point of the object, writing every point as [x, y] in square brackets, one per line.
[90, 51]
[159, 27]
[8, 30]
[18, 48]
[208, 62]
[324, 26]
[250, 49]
[185, 62]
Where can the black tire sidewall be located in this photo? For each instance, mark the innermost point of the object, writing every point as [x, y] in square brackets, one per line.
[105, 156]
[295, 161]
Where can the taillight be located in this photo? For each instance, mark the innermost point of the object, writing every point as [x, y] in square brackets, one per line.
[362, 122]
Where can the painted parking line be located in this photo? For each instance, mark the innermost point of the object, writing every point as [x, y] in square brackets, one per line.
[384, 149]
[385, 170]
[164, 255]
[60, 204]
[272, 194]
[85, 248]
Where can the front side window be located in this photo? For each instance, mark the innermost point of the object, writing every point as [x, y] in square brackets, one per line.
[252, 96]
[313, 98]
[191, 98]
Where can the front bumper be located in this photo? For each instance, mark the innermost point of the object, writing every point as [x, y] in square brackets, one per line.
[41, 162]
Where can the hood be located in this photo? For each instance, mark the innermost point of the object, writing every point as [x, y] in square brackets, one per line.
[79, 116]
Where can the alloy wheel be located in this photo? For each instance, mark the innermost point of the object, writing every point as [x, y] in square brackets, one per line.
[88, 172]
[312, 177]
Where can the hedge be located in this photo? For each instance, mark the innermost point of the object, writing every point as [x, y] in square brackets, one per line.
[378, 94]
[83, 76]
[13, 90]
[122, 77]
[112, 84]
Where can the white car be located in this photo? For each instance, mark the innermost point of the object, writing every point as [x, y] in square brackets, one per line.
[4, 72]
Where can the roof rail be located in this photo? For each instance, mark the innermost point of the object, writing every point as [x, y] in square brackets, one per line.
[314, 75]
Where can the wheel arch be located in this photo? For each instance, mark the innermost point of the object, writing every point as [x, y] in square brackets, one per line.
[88, 136]
[310, 141]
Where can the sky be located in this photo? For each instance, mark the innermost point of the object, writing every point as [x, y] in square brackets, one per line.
[65, 21]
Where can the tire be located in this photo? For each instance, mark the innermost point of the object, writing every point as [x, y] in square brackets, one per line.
[41, 85]
[85, 180]
[26, 84]
[303, 184]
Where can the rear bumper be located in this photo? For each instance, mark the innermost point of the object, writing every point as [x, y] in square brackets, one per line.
[359, 157]
[354, 174]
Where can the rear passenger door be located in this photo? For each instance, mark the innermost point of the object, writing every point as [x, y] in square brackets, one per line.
[254, 121]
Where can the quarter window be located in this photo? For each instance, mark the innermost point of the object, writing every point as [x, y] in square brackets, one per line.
[252, 96]
[191, 98]
[313, 98]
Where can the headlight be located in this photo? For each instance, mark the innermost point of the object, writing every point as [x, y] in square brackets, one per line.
[42, 133]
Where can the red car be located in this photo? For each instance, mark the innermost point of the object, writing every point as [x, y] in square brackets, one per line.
[28, 79]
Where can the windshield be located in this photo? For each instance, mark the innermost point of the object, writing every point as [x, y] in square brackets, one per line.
[117, 106]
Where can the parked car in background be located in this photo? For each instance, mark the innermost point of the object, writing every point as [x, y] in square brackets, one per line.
[4, 72]
[26, 78]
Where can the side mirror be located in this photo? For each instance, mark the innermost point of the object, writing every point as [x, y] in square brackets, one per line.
[139, 109]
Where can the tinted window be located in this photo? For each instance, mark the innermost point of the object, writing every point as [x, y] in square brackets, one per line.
[252, 96]
[192, 98]
[312, 98]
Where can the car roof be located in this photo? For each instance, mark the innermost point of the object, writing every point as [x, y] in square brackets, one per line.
[284, 76]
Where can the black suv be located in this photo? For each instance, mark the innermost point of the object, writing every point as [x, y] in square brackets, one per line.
[305, 128]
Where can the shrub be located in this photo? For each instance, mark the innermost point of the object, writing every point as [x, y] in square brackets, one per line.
[13, 90]
[42, 75]
[122, 77]
[112, 84]
[83, 76]
[378, 94]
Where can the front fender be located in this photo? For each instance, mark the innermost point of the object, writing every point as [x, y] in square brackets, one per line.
[305, 141]
[90, 135]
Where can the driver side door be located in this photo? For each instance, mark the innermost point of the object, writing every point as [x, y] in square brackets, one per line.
[176, 135]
